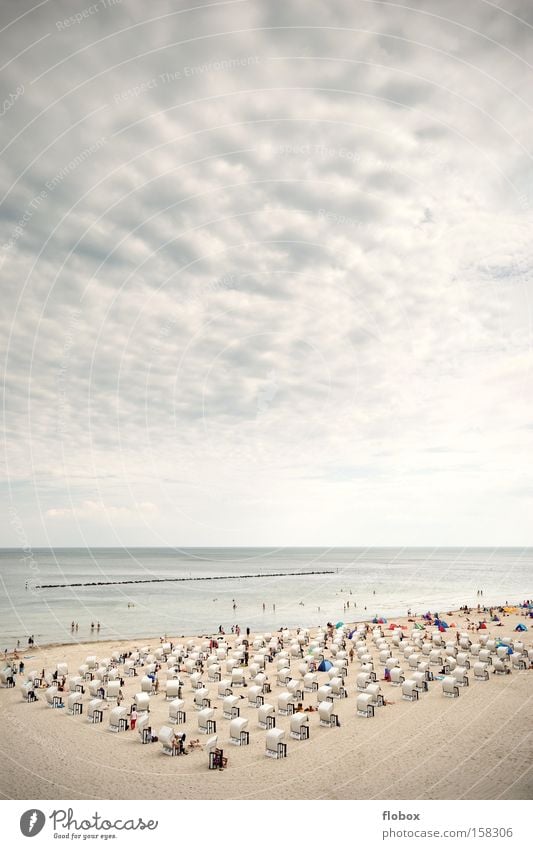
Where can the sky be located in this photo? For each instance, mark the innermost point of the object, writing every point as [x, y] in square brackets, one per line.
[266, 273]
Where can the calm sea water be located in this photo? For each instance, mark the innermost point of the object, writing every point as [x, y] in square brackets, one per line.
[384, 581]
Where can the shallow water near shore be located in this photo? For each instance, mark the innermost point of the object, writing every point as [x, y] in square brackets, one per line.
[348, 584]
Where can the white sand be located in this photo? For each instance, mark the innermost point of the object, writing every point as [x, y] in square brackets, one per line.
[478, 746]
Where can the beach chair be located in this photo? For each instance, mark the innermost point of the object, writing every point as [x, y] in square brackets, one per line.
[499, 667]
[369, 667]
[274, 745]
[85, 672]
[147, 685]
[436, 657]
[166, 737]
[255, 696]
[28, 691]
[485, 656]
[481, 671]
[409, 690]
[376, 696]
[450, 687]
[338, 690]
[365, 705]
[231, 707]
[238, 735]
[450, 650]
[118, 719]
[420, 681]
[366, 658]
[201, 698]
[283, 676]
[465, 642]
[462, 659]
[74, 704]
[363, 679]
[237, 678]
[95, 711]
[173, 690]
[310, 682]
[54, 698]
[299, 726]
[491, 645]
[214, 672]
[502, 652]
[436, 638]
[142, 703]
[231, 664]
[206, 721]
[286, 705]
[266, 716]
[76, 684]
[384, 656]
[423, 667]
[413, 660]
[519, 662]
[426, 649]
[327, 718]
[113, 689]
[259, 659]
[323, 694]
[224, 688]
[460, 673]
[397, 676]
[176, 711]
[91, 661]
[475, 649]
[296, 688]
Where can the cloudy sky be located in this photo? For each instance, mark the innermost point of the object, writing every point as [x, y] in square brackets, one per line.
[267, 272]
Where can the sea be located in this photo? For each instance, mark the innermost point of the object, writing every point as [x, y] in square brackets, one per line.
[153, 592]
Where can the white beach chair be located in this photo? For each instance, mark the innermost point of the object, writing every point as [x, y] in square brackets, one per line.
[112, 692]
[286, 704]
[173, 689]
[231, 707]
[519, 662]
[28, 691]
[95, 711]
[214, 672]
[299, 726]
[118, 719]
[224, 688]
[166, 738]
[499, 667]
[409, 690]
[266, 716]
[365, 706]
[310, 682]
[450, 687]
[201, 698]
[147, 685]
[283, 676]
[74, 704]
[376, 696]
[76, 684]
[274, 745]
[338, 690]
[54, 698]
[237, 678]
[206, 721]
[420, 681]
[384, 656]
[485, 656]
[142, 703]
[62, 669]
[436, 657]
[397, 676]
[481, 671]
[255, 696]
[176, 711]
[296, 688]
[323, 694]
[363, 679]
[462, 659]
[238, 735]
[326, 715]
[413, 660]
[460, 673]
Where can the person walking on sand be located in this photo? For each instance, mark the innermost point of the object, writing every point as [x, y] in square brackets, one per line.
[133, 718]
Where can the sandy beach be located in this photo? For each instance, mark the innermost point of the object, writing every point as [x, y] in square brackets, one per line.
[477, 746]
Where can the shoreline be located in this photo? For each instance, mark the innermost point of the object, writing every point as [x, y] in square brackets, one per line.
[402, 620]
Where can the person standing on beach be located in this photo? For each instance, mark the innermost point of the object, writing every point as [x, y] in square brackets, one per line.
[133, 718]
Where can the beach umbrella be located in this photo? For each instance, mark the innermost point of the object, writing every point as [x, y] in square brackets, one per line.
[325, 665]
[339, 624]
[521, 627]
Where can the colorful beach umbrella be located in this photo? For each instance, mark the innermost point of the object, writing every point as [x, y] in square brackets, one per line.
[325, 665]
